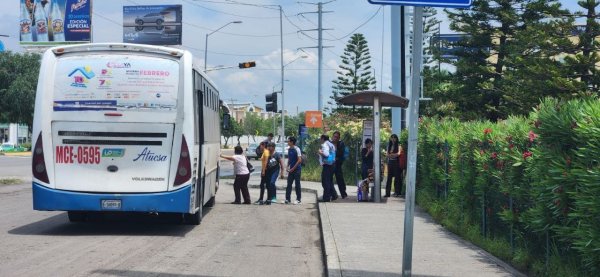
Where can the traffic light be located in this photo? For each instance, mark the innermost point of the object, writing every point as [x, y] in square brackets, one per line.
[271, 99]
[247, 64]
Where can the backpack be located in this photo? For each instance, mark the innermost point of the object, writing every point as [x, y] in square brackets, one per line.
[273, 162]
[249, 165]
[331, 158]
[257, 151]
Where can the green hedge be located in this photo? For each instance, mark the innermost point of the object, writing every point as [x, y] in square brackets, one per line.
[526, 189]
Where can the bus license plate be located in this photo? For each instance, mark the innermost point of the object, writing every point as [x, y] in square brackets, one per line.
[111, 204]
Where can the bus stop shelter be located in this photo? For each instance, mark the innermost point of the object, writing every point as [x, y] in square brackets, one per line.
[375, 99]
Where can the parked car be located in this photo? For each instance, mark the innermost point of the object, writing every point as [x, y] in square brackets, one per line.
[157, 18]
[11, 147]
[281, 148]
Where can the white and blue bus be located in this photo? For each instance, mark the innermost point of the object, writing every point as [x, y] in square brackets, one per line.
[125, 127]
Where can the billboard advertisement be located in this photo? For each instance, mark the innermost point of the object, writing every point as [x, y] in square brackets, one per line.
[155, 24]
[54, 22]
[446, 44]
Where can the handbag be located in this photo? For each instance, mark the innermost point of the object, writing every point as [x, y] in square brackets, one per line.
[249, 165]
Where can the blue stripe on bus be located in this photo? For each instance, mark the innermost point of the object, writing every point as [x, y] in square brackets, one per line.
[46, 199]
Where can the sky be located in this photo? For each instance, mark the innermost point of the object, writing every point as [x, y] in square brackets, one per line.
[258, 39]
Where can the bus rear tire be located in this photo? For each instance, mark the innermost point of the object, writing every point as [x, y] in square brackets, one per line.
[211, 202]
[193, 219]
[76, 216]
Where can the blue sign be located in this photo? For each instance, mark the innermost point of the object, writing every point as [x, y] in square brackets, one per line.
[427, 3]
[446, 44]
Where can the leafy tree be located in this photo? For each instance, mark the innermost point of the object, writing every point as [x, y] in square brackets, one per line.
[251, 125]
[507, 60]
[355, 73]
[18, 81]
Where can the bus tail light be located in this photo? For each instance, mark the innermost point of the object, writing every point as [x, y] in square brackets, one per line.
[184, 168]
[38, 164]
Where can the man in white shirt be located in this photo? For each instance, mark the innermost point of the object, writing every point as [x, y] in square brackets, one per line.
[327, 160]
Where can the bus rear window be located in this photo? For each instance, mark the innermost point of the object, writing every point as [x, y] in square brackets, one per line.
[116, 83]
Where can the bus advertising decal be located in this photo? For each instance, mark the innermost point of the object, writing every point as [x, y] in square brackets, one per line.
[80, 155]
[148, 156]
[97, 105]
[113, 152]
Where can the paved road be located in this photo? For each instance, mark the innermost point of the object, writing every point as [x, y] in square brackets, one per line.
[233, 240]
[15, 167]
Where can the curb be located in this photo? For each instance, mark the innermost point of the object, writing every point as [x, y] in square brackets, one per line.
[16, 154]
[330, 257]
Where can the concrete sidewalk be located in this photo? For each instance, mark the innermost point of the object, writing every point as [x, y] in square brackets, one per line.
[365, 239]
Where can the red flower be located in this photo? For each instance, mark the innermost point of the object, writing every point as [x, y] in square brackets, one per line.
[532, 136]
[487, 131]
[527, 154]
[494, 155]
[511, 146]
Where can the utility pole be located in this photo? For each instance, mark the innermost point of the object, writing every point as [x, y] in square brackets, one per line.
[319, 48]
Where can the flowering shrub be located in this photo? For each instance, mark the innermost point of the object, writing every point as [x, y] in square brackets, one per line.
[532, 182]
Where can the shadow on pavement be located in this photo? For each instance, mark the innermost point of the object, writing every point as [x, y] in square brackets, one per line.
[117, 272]
[98, 224]
[361, 273]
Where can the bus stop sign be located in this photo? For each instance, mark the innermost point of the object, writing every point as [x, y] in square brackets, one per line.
[427, 3]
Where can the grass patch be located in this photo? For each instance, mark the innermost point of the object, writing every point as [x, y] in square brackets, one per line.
[10, 181]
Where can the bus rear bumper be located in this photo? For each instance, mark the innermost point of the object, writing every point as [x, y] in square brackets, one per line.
[46, 199]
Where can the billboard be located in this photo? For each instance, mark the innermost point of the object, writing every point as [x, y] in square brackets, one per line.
[55, 22]
[155, 24]
[446, 44]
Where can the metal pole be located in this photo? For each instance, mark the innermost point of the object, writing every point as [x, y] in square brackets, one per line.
[205, 51]
[396, 65]
[376, 151]
[412, 141]
[403, 64]
[282, 76]
[320, 50]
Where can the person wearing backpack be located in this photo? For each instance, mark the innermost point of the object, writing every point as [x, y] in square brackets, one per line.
[341, 154]
[263, 173]
[294, 171]
[274, 169]
[327, 161]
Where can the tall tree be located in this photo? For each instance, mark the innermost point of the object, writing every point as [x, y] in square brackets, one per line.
[584, 58]
[505, 40]
[18, 81]
[355, 72]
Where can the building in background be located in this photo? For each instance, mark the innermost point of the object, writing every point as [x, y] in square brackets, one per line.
[14, 133]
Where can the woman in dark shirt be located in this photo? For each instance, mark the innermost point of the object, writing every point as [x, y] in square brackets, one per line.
[366, 155]
[393, 167]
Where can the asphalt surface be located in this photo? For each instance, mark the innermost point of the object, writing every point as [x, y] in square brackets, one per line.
[233, 240]
[15, 167]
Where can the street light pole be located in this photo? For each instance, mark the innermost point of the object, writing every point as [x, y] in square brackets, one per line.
[206, 40]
